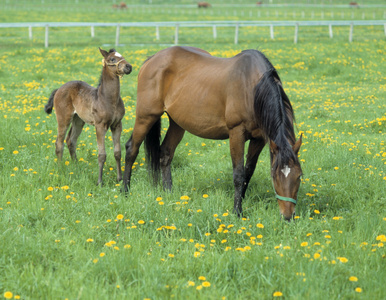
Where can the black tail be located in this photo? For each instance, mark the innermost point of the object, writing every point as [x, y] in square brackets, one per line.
[153, 150]
[50, 103]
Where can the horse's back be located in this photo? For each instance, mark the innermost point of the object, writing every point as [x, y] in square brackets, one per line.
[203, 94]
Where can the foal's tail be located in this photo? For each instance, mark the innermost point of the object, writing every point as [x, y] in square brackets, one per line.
[153, 150]
[50, 103]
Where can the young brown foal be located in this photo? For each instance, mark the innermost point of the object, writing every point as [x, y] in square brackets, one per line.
[77, 103]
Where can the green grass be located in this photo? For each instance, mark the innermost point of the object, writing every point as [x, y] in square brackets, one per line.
[55, 222]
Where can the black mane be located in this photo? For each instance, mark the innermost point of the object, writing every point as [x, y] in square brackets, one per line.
[274, 114]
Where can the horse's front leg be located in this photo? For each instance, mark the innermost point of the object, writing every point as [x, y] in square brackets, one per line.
[236, 143]
[101, 133]
[116, 133]
[254, 150]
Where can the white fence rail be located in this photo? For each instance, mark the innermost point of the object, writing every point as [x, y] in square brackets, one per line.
[213, 24]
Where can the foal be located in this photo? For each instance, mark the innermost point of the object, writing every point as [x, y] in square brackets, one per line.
[77, 103]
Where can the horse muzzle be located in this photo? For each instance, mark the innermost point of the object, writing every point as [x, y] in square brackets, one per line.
[127, 69]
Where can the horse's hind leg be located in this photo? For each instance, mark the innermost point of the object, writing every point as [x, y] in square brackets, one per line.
[141, 127]
[116, 133]
[172, 139]
[73, 134]
[254, 150]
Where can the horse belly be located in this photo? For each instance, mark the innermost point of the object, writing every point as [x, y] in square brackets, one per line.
[201, 118]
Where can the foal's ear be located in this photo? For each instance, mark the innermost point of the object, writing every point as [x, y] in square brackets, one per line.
[103, 52]
[297, 145]
[273, 147]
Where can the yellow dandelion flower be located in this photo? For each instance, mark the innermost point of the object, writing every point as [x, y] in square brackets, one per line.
[50, 189]
[120, 217]
[205, 196]
[277, 294]
[191, 283]
[141, 222]
[259, 225]
[199, 287]
[342, 259]
[8, 295]
[316, 211]
[171, 255]
[225, 214]
[304, 244]
[206, 284]
[202, 278]
[89, 240]
[358, 290]
[102, 254]
[353, 278]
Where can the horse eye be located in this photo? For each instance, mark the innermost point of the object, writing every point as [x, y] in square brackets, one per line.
[113, 59]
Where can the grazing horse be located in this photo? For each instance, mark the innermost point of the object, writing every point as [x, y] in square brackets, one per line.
[203, 5]
[77, 103]
[240, 98]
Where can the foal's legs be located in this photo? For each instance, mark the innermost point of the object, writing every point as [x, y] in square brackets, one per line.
[254, 150]
[172, 139]
[64, 120]
[73, 134]
[116, 133]
[236, 143]
[101, 133]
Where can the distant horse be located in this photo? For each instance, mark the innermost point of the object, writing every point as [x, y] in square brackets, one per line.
[203, 5]
[77, 103]
[240, 98]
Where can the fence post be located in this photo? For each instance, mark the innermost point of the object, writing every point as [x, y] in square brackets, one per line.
[214, 31]
[296, 33]
[117, 35]
[330, 30]
[46, 38]
[30, 32]
[271, 31]
[384, 26]
[157, 32]
[237, 34]
[92, 32]
[176, 35]
[351, 32]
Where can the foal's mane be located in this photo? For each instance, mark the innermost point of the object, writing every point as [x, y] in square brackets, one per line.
[112, 50]
[274, 114]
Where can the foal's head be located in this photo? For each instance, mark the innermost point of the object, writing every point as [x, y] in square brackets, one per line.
[115, 62]
[286, 172]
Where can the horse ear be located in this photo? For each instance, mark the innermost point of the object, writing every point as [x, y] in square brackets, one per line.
[103, 52]
[297, 145]
[273, 147]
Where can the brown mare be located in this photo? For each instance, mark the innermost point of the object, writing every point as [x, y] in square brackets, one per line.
[240, 98]
[203, 4]
[77, 103]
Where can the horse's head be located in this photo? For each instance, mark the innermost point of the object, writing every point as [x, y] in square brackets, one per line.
[115, 62]
[286, 172]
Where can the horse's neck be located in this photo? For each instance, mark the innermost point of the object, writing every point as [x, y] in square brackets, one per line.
[109, 87]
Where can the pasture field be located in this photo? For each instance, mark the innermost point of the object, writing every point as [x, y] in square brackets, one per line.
[63, 237]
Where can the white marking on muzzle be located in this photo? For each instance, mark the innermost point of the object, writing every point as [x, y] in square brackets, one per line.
[286, 171]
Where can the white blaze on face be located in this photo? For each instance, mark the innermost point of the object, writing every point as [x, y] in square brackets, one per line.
[118, 54]
[286, 171]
